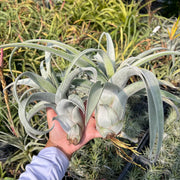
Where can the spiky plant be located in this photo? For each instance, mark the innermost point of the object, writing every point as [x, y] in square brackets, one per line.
[92, 76]
[167, 34]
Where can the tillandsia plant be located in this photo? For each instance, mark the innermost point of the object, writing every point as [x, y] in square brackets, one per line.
[167, 34]
[93, 76]
[53, 95]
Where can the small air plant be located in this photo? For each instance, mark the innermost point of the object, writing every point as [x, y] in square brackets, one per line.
[168, 35]
[92, 78]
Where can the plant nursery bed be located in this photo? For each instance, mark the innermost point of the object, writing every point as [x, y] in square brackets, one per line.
[144, 142]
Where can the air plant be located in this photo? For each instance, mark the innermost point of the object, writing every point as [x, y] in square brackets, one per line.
[93, 76]
[167, 35]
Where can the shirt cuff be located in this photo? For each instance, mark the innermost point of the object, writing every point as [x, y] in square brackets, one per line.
[48, 151]
[50, 164]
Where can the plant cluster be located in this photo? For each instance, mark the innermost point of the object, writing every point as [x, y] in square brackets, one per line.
[107, 90]
[168, 36]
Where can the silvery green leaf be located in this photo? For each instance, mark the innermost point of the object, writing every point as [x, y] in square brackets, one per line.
[110, 46]
[154, 56]
[82, 83]
[68, 114]
[54, 79]
[64, 105]
[155, 108]
[170, 96]
[50, 71]
[26, 81]
[166, 96]
[150, 51]
[60, 53]
[110, 110]
[94, 96]
[66, 55]
[75, 134]
[107, 121]
[132, 60]
[26, 93]
[121, 77]
[98, 58]
[133, 88]
[40, 81]
[64, 122]
[123, 97]
[93, 71]
[83, 62]
[173, 106]
[78, 57]
[76, 100]
[57, 52]
[48, 60]
[109, 90]
[77, 118]
[107, 62]
[48, 74]
[55, 43]
[126, 62]
[39, 106]
[44, 73]
[64, 86]
[48, 97]
[167, 83]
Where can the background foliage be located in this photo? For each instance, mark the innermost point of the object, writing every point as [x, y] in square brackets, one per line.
[80, 23]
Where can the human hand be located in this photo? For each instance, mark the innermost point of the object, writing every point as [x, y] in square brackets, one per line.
[58, 137]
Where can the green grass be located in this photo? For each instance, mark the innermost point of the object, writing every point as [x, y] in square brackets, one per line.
[76, 23]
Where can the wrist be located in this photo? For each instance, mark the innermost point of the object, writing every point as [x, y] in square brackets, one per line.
[50, 144]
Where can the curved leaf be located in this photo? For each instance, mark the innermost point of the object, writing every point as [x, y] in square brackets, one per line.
[47, 97]
[170, 96]
[107, 62]
[63, 88]
[155, 107]
[40, 81]
[83, 62]
[93, 98]
[154, 56]
[76, 100]
[110, 46]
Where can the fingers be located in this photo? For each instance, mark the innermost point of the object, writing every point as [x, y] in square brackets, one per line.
[50, 115]
[50, 111]
[91, 128]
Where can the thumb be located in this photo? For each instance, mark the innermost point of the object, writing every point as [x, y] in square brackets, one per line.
[91, 129]
[50, 115]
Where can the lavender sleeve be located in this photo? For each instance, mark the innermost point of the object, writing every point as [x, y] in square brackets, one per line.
[49, 164]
